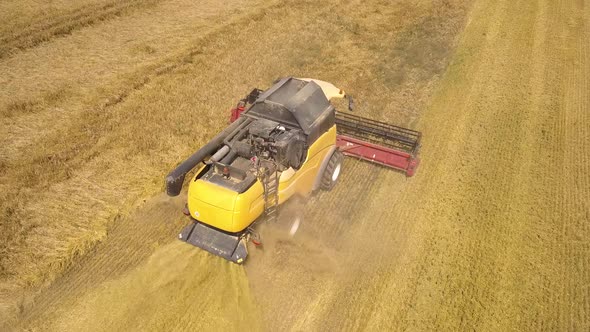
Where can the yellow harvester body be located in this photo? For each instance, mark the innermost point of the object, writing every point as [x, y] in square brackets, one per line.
[232, 212]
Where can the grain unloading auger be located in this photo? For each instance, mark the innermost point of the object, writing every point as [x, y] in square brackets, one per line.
[284, 141]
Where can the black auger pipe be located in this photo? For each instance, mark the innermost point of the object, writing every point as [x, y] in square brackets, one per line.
[175, 178]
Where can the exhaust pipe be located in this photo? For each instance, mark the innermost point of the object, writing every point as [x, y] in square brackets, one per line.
[175, 178]
[220, 154]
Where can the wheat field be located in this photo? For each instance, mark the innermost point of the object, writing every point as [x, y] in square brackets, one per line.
[100, 99]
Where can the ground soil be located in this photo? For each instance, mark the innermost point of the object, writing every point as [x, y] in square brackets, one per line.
[491, 234]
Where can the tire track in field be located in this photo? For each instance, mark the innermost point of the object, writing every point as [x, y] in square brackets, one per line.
[559, 145]
[584, 165]
[573, 203]
[332, 219]
[61, 25]
[562, 195]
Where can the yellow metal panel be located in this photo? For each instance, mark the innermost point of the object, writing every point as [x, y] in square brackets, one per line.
[249, 206]
[210, 214]
[211, 204]
[302, 181]
[213, 194]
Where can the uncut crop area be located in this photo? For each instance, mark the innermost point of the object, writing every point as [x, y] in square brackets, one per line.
[99, 99]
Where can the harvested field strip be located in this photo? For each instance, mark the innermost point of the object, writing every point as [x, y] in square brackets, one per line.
[22, 37]
[572, 204]
[123, 252]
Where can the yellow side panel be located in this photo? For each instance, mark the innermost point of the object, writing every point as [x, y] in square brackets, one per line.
[211, 204]
[210, 214]
[302, 182]
[249, 206]
[213, 194]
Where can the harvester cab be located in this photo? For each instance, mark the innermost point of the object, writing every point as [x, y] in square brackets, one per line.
[284, 141]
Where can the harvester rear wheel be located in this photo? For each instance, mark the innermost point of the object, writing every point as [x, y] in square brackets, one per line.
[332, 171]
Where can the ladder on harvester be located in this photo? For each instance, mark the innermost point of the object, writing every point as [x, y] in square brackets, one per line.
[269, 177]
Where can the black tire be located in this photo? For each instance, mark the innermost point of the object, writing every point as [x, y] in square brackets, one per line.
[332, 171]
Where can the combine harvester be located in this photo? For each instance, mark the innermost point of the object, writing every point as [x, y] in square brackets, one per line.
[287, 140]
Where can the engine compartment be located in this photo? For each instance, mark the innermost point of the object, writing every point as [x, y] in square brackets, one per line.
[235, 164]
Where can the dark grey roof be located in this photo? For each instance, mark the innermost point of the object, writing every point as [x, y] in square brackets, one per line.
[293, 101]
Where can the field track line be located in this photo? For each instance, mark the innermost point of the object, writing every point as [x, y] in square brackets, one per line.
[61, 25]
[131, 240]
[573, 197]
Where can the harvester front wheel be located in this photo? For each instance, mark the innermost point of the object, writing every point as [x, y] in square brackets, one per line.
[332, 171]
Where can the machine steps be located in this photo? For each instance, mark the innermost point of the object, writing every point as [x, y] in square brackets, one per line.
[269, 177]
